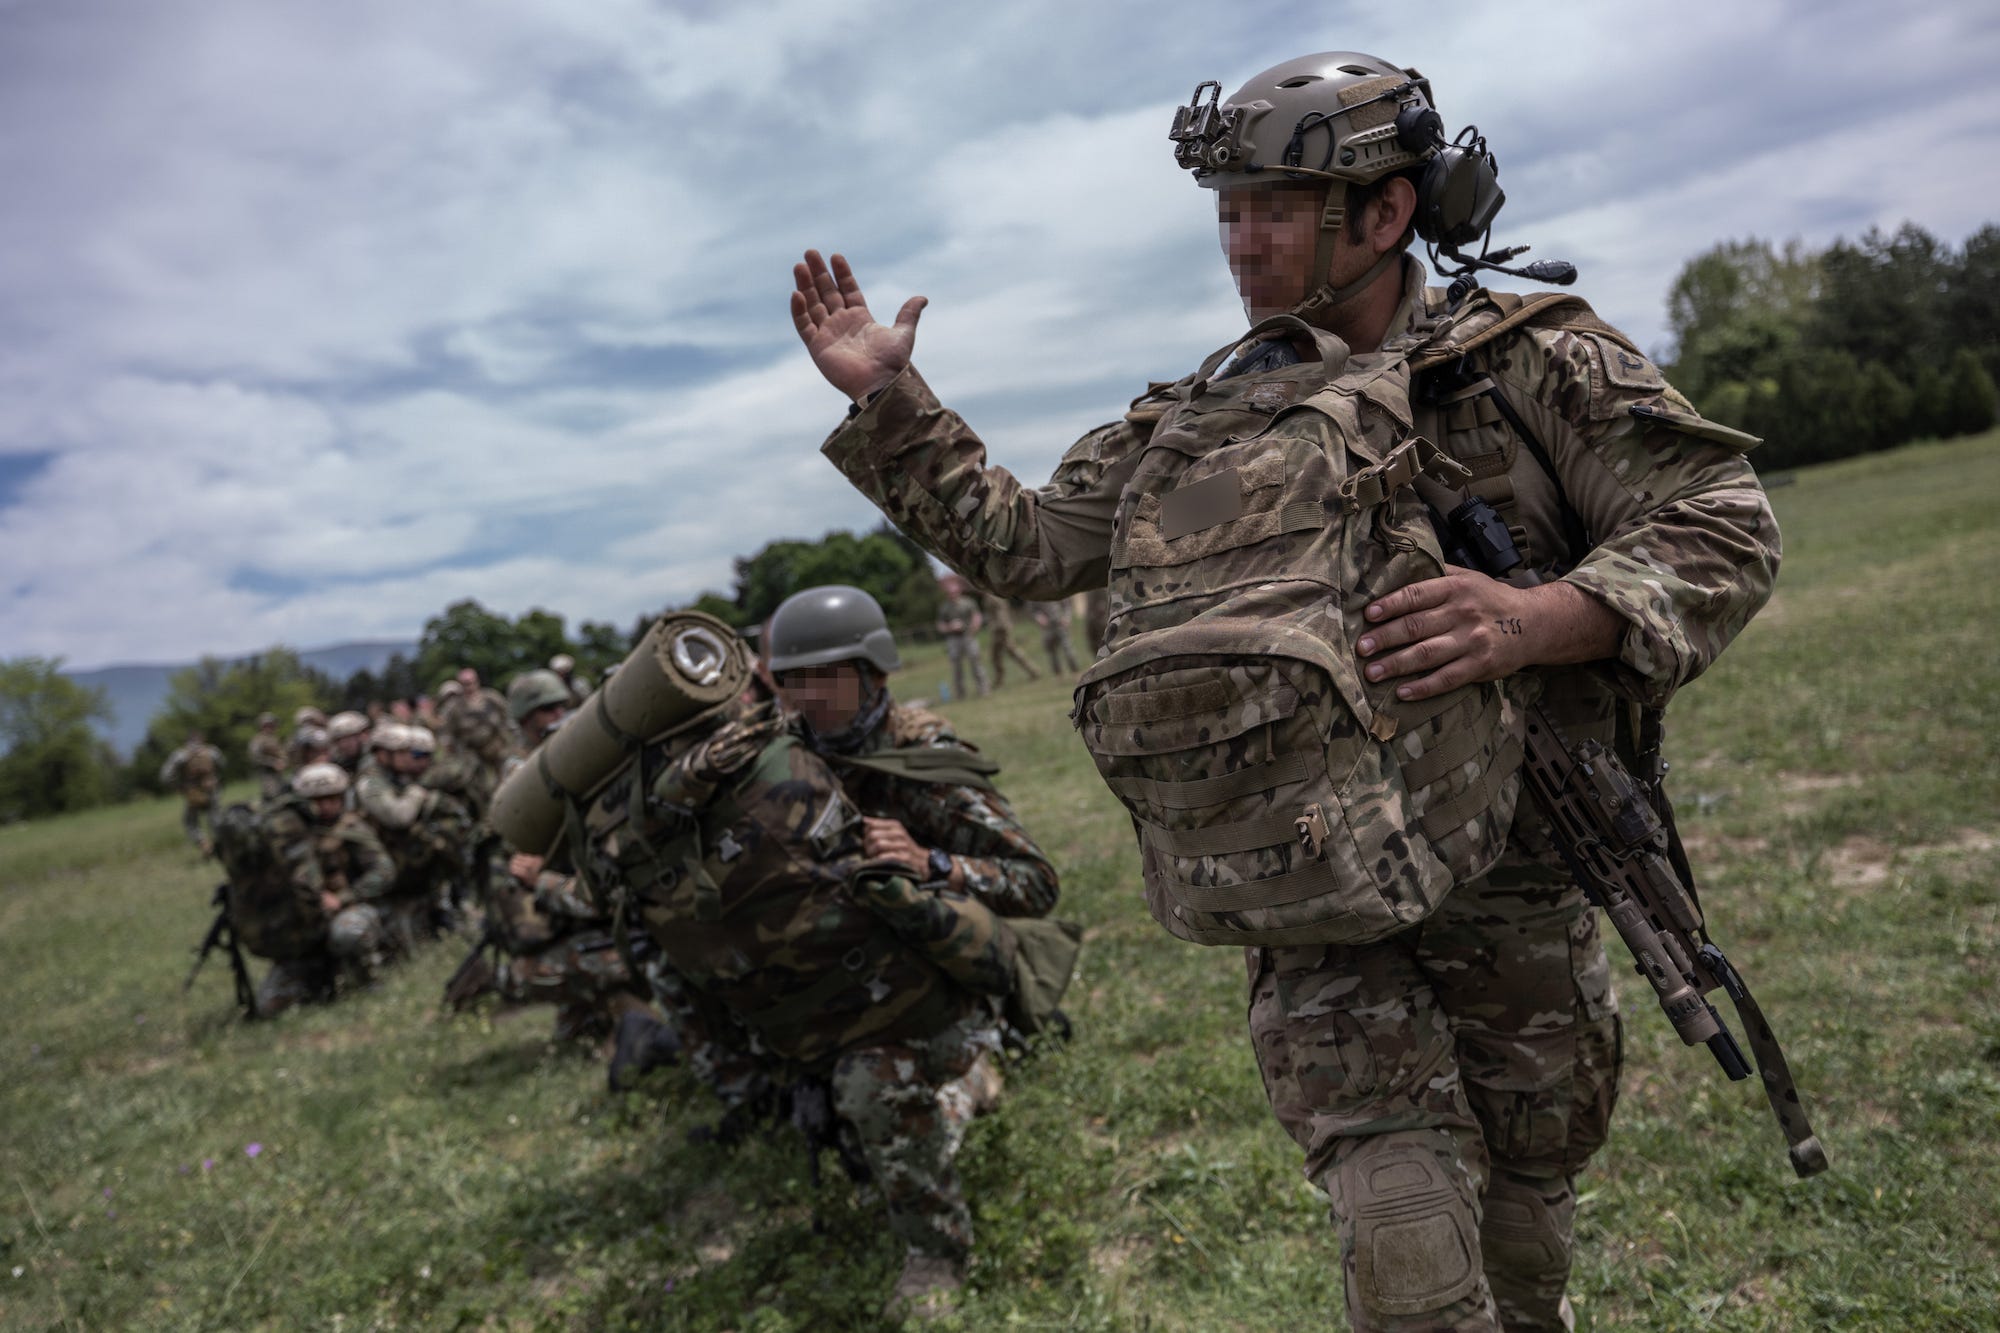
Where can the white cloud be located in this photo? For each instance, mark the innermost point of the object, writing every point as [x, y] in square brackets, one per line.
[333, 315]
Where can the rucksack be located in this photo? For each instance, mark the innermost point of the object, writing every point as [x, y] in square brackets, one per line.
[1279, 796]
[273, 915]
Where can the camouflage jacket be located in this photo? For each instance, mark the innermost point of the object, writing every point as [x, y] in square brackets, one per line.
[736, 861]
[959, 612]
[1683, 545]
[267, 753]
[479, 725]
[343, 858]
[1002, 866]
[193, 768]
[1686, 548]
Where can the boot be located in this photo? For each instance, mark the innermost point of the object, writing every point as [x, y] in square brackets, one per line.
[927, 1289]
[644, 1044]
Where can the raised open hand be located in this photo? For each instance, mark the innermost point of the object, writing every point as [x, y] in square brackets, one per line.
[857, 355]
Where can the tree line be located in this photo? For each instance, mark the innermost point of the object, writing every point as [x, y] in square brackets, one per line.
[1861, 346]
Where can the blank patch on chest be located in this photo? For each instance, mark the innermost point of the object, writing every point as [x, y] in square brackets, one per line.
[1203, 504]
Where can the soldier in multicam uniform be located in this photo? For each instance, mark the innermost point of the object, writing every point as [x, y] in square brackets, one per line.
[1054, 620]
[1447, 1082]
[958, 621]
[314, 914]
[423, 830]
[482, 738]
[926, 797]
[267, 757]
[195, 770]
[348, 733]
[556, 944]
[306, 719]
[1000, 641]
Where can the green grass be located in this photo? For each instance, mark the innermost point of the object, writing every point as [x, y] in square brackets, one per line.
[1838, 773]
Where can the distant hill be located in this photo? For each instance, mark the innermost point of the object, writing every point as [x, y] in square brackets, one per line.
[136, 692]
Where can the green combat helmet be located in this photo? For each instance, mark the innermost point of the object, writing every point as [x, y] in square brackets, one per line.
[832, 624]
[535, 689]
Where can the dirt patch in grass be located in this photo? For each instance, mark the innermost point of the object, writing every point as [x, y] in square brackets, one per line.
[1119, 1255]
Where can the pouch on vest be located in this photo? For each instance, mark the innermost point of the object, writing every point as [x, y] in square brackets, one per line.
[1278, 796]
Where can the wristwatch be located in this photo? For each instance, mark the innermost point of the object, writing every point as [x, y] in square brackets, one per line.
[940, 864]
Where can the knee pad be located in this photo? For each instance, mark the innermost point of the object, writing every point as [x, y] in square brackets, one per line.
[1411, 1223]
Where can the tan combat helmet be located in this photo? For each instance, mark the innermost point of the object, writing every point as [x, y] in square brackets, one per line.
[422, 740]
[562, 664]
[317, 780]
[1343, 118]
[308, 716]
[343, 725]
[390, 736]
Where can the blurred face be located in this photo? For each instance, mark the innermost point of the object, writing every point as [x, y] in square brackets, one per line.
[326, 809]
[542, 721]
[827, 697]
[413, 763]
[1269, 232]
[349, 746]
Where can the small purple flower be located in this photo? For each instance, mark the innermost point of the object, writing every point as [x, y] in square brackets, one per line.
[252, 1149]
[107, 1191]
[111, 1213]
[183, 1168]
[208, 1164]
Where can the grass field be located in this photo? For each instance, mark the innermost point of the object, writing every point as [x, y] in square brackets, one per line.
[375, 1165]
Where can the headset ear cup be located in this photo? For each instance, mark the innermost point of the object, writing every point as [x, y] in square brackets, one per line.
[1458, 197]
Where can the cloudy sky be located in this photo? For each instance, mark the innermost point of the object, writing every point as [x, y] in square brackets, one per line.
[316, 317]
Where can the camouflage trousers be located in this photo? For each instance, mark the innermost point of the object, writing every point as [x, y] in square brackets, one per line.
[1447, 1084]
[197, 811]
[963, 649]
[1005, 650]
[294, 981]
[893, 1096]
[1062, 655]
[583, 974]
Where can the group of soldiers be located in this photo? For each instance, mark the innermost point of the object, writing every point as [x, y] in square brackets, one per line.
[1348, 570]
[961, 617]
[825, 907]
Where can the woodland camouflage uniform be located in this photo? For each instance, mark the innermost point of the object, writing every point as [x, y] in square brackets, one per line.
[974, 824]
[774, 967]
[307, 946]
[1471, 1060]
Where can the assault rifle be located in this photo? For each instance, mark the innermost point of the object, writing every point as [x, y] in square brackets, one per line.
[1617, 836]
[222, 935]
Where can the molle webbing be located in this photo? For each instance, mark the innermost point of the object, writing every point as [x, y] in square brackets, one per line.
[1275, 891]
[1481, 796]
[1238, 835]
[1200, 792]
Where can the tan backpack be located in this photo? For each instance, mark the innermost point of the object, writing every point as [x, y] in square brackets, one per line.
[1279, 797]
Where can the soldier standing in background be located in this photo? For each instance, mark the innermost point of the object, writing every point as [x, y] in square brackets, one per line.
[267, 757]
[1054, 619]
[304, 720]
[195, 769]
[958, 622]
[565, 667]
[1000, 624]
